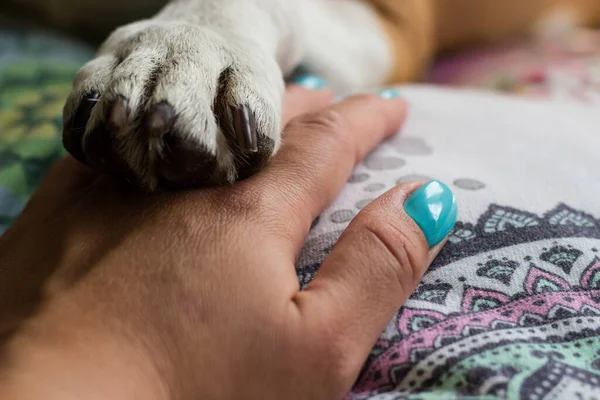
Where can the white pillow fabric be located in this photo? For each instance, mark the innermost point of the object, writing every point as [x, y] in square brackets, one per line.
[526, 174]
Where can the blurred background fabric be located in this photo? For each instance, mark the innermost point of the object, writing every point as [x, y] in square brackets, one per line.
[36, 73]
[567, 68]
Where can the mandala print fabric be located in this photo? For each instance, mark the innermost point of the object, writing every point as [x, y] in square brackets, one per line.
[511, 307]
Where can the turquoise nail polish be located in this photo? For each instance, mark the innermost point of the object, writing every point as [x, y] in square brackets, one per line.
[389, 94]
[311, 82]
[433, 207]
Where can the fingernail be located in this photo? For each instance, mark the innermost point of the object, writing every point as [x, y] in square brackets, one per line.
[310, 82]
[243, 121]
[433, 207]
[389, 94]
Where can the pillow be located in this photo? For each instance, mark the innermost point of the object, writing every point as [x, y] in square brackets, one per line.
[511, 307]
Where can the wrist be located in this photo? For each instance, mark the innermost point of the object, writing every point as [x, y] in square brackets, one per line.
[67, 360]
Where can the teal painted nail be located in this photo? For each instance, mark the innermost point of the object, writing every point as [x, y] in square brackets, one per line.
[433, 207]
[311, 82]
[389, 94]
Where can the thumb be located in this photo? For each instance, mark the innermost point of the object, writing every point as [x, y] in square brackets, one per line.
[376, 265]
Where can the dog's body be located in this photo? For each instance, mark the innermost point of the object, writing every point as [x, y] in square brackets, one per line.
[172, 89]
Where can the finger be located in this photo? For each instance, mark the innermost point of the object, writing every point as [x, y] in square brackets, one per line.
[320, 151]
[377, 264]
[298, 101]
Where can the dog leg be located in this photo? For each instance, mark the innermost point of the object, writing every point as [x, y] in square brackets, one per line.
[190, 97]
[193, 96]
[364, 44]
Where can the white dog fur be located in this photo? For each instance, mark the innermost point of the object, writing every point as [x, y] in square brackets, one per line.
[191, 42]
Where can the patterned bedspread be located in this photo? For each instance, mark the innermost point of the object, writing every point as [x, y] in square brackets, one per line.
[36, 73]
[510, 309]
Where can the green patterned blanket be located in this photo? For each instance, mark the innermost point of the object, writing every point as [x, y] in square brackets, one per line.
[36, 73]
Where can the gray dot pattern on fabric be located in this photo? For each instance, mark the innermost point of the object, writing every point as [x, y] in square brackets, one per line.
[374, 187]
[358, 178]
[469, 184]
[413, 178]
[379, 163]
[413, 146]
[363, 203]
[342, 216]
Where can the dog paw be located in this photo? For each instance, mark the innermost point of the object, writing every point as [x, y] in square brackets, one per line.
[175, 105]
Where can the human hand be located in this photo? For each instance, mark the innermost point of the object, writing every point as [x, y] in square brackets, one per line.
[109, 294]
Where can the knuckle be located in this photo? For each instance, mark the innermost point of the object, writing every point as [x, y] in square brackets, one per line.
[249, 205]
[405, 256]
[329, 120]
[369, 100]
[242, 199]
[329, 125]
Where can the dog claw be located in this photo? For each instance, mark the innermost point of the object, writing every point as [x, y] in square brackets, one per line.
[73, 134]
[245, 128]
[160, 120]
[82, 115]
